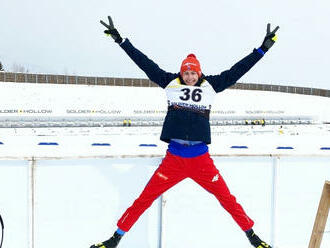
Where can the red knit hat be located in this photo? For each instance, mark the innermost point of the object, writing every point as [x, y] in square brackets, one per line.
[191, 64]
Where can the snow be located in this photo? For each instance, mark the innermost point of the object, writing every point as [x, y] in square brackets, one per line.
[126, 141]
[72, 194]
[73, 101]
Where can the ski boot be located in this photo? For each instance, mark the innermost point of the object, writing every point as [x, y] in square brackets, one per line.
[110, 243]
[255, 240]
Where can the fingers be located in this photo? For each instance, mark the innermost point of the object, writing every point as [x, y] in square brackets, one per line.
[271, 32]
[268, 28]
[108, 26]
[111, 22]
[277, 28]
[104, 24]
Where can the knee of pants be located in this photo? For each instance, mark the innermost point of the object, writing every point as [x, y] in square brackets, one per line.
[228, 202]
[143, 203]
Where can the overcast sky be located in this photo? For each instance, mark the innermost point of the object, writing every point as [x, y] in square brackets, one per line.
[65, 37]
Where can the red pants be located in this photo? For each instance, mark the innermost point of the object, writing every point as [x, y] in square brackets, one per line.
[174, 169]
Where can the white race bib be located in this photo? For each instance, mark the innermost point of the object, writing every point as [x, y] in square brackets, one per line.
[194, 97]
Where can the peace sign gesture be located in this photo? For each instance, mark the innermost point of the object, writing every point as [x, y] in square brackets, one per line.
[111, 30]
[269, 39]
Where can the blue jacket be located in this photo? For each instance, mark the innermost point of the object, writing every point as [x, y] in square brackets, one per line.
[181, 123]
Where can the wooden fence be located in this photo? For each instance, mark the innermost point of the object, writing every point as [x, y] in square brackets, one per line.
[139, 82]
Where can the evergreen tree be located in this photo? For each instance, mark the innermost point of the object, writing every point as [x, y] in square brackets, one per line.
[1, 67]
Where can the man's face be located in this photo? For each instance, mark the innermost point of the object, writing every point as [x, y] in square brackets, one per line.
[190, 77]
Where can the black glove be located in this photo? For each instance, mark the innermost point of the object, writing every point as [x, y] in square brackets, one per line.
[269, 39]
[112, 31]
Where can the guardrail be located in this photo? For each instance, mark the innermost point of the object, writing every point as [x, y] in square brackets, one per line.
[139, 82]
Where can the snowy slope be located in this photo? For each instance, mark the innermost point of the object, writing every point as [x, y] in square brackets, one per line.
[22, 100]
[55, 101]
[72, 101]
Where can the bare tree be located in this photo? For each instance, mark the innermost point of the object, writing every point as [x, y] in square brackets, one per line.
[19, 68]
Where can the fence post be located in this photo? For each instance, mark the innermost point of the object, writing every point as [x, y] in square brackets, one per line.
[31, 187]
[275, 165]
[321, 217]
[162, 202]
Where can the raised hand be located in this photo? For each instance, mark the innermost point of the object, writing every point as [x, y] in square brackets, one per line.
[270, 38]
[112, 31]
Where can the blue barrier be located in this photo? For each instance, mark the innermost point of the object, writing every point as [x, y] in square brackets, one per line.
[101, 144]
[239, 147]
[148, 145]
[48, 144]
[284, 147]
[1, 143]
[325, 148]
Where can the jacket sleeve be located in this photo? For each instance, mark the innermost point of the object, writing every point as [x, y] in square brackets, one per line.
[229, 77]
[151, 69]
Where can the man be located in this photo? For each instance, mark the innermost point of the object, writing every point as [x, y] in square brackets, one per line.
[187, 130]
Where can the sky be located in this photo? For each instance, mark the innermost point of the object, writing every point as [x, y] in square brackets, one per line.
[65, 37]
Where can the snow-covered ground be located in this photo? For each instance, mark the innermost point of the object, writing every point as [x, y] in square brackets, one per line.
[50, 100]
[127, 141]
[76, 202]
[65, 187]
[20, 102]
